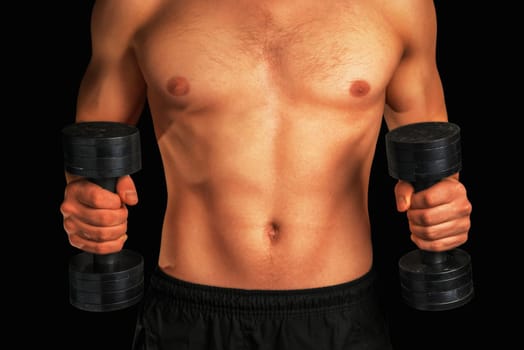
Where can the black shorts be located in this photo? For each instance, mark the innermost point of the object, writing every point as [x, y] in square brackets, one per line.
[179, 315]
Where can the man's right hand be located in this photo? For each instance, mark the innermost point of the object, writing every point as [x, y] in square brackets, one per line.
[95, 219]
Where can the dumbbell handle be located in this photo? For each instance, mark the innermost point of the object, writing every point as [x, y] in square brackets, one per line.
[105, 262]
[429, 257]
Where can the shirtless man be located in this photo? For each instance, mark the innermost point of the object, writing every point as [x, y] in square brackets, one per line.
[267, 115]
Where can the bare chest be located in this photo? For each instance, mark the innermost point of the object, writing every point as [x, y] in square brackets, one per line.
[327, 54]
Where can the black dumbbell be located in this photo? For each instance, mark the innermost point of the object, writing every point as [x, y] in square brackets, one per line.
[103, 152]
[423, 154]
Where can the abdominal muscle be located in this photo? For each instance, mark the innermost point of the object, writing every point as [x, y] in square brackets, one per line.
[266, 197]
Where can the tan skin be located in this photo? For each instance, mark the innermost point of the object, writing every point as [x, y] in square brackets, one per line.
[267, 115]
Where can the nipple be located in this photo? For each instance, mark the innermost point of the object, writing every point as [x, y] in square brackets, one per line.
[359, 88]
[178, 86]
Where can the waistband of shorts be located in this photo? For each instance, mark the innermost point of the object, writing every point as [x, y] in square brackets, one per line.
[233, 301]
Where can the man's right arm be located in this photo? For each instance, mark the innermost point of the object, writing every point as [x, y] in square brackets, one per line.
[112, 89]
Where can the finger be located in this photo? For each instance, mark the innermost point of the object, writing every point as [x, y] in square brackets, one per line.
[90, 246]
[94, 217]
[444, 244]
[449, 233]
[91, 195]
[442, 192]
[403, 192]
[439, 214]
[127, 191]
[74, 226]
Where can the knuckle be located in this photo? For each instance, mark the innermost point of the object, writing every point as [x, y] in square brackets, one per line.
[68, 225]
[425, 218]
[430, 234]
[66, 208]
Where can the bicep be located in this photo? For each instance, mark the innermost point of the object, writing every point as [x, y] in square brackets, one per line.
[111, 91]
[415, 94]
[415, 91]
[112, 87]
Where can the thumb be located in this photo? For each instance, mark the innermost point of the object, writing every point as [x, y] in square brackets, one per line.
[403, 192]
[126, 189]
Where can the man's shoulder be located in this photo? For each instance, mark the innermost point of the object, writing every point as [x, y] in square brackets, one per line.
[125, 13]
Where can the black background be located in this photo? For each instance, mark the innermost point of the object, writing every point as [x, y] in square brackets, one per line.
[48, 62]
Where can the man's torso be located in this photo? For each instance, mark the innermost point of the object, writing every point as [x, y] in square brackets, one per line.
[267, 118]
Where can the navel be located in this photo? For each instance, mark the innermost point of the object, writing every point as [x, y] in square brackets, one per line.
[178, 86]
[359, 88]
[273, 231]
